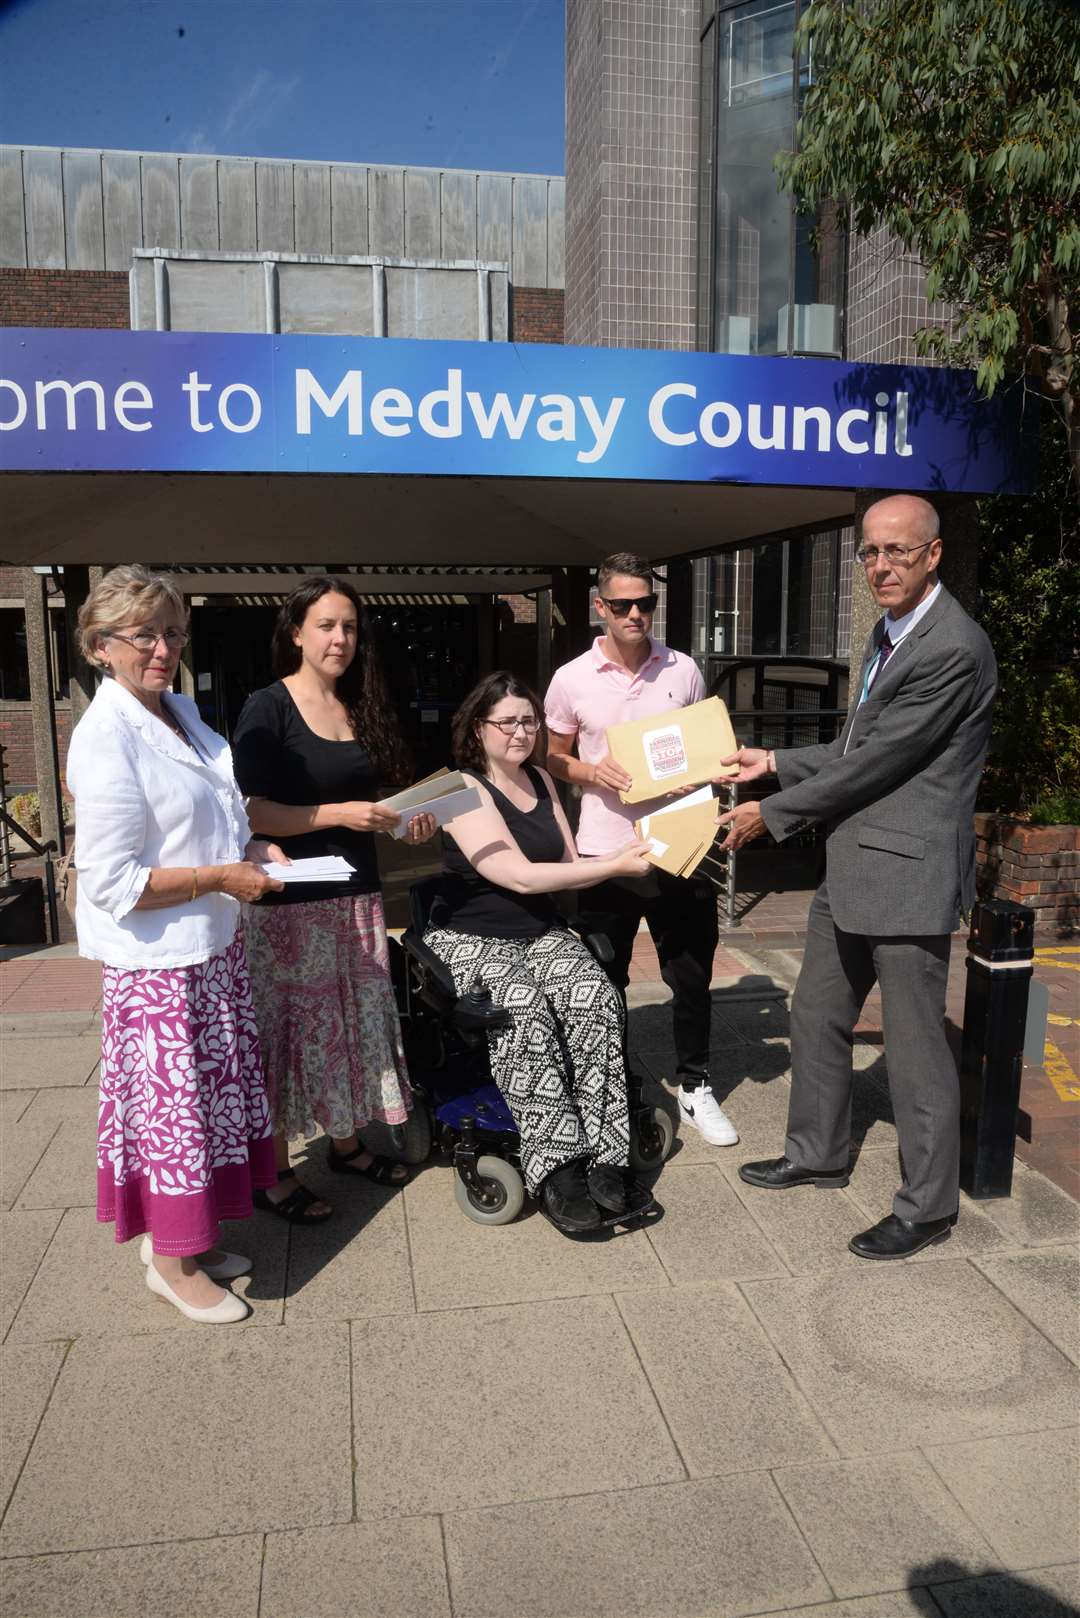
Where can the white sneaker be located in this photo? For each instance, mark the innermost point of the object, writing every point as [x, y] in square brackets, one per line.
[701, 1109]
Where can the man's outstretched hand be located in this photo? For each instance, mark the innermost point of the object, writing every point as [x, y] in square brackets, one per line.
[752, 762]
[744, 823]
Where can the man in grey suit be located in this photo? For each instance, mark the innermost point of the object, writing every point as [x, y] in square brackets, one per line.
[896, 794]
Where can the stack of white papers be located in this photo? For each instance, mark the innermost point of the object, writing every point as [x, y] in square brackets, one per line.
[321, 868]
[445, 795]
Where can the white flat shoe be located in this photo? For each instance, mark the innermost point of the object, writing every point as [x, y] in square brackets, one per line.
[225, 1313]
[227, 1268]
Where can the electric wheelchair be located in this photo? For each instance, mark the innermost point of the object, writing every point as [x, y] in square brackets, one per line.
[459, 1110]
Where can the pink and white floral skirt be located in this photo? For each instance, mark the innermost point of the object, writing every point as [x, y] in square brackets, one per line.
[183, 1122]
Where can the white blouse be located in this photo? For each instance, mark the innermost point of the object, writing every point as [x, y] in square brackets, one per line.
[143, 799]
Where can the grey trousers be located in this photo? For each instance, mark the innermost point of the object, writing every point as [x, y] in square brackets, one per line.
[839, 970]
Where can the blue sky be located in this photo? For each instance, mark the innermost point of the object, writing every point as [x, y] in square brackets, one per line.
[453, 83]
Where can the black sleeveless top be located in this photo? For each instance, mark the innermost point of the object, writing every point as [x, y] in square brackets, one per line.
[471, 904]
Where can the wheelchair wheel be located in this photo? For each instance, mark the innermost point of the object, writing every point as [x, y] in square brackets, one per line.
[650, 1140]
[415, 1134]
[503, 1193]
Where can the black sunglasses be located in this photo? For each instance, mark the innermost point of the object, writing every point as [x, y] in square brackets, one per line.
[620, 606]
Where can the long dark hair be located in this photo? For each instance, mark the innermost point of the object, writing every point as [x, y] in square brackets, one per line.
[361, 687]
[468, 748]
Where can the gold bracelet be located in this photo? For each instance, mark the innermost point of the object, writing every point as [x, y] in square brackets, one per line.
[194, 883]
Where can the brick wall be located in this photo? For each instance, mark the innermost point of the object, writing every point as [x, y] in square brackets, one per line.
[17, 738]
[96, 298]
[536, 314]
[1038, 866]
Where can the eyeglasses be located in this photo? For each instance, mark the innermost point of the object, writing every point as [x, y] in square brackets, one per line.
[620, 606]
[145, 640]
[895, 555]
[508, 726]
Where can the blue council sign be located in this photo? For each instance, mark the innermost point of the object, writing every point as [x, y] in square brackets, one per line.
[204, 402]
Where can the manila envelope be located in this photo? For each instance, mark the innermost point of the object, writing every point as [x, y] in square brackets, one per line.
[681, 748]
[680, 835]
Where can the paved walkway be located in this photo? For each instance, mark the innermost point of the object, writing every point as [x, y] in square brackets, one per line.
[722, 1414]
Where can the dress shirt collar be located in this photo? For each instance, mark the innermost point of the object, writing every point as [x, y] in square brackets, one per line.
[899, 627]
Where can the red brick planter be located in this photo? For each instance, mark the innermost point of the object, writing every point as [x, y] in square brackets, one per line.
[1034, 865]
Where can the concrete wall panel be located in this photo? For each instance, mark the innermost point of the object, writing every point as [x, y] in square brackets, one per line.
[236, 205]
[12, 224]
[199, 204]
[161, 201]
[311, 188]
[84, 226]
[499, 303]
[122, 189]
[349, 210]
[556, 234]
[332, 298]
[386, 201]
[422, 209]
[423, 303]
[274, 207]
[494, 213]
[458, 215]
[142, 295]
[215, 297]
[530, 232]
[44, 192]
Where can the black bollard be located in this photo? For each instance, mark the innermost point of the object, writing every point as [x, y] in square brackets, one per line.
[1001, 945]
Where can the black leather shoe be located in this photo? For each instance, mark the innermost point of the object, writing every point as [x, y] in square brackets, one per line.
[567, 1202]
[777, 1173]
[893, 1237]
[607, 1187]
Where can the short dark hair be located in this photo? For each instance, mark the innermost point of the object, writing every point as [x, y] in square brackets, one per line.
[467, 747]
[625, 563]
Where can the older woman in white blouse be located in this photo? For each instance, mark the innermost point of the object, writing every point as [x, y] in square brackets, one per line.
[164, 857]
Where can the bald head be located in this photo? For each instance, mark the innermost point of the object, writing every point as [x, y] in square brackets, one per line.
[909, 512]
[902, 549]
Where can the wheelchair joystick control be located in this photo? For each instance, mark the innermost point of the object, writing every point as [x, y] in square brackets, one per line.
[476, 1011]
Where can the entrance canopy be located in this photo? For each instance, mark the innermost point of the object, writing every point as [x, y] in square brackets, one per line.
[202, 447]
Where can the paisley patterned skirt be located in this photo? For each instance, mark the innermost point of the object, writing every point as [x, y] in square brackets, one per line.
[183, 1123]
[327, 1016]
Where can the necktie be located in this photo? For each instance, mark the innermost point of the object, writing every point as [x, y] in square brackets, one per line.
[885, 652]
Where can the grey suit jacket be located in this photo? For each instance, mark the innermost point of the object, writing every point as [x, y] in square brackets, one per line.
[896, 790]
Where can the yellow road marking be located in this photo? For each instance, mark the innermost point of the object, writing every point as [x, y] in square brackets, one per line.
[1057, 949]
[1059, 966]
[1060, 1022]
[1061, 1075]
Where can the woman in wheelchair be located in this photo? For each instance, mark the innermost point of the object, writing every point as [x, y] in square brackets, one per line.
[559, 1059]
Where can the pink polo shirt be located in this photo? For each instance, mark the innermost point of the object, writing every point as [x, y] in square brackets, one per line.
[591, 693]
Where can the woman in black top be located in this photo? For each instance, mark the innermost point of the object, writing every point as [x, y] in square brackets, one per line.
[559, 1061]
[309, 751]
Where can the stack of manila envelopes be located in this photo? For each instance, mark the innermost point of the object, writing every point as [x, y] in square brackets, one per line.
[681, 748]
[445, 794]
[680, 834]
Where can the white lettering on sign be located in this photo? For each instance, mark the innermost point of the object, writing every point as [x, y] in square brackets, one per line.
[720, 424]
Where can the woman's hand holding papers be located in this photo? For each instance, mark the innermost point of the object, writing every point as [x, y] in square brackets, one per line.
[631, 860]
[611, 775]
[420, 828]
[360, 816]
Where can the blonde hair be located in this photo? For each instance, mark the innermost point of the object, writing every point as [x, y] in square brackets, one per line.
[127, 594]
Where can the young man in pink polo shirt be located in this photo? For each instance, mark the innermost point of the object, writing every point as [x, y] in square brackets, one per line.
[624, 675]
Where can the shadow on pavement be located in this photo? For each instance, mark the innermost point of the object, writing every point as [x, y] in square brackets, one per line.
[958, 1593]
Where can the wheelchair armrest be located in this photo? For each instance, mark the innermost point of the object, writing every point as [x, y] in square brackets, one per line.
[436, 984]
[598, 945]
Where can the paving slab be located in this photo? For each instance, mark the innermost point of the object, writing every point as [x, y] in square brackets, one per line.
[13, 1103]
[66, 1174]
[216, 1578]
[891, 1356]
[1037, 1214]
[706, 1234]
[24, 1238]
[247, 1410]
[897, 1604]
[1047, 1593]
[457, 1263]
[513, 1403]
[626, 1555]
[1044, 1284]
[366, 1569]
[868, 1521]
[355, 1264]
[809, 1228]
[875, 1179]
[28, 1376]
[89, 1285]
[728, 1399]
[752, 1022]
[40, 1063]
[758, 1107]
[1022, 1492]
[22, 1147]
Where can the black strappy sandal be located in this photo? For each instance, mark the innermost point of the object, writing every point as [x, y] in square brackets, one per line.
[380, 1169]
[293, 1208]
